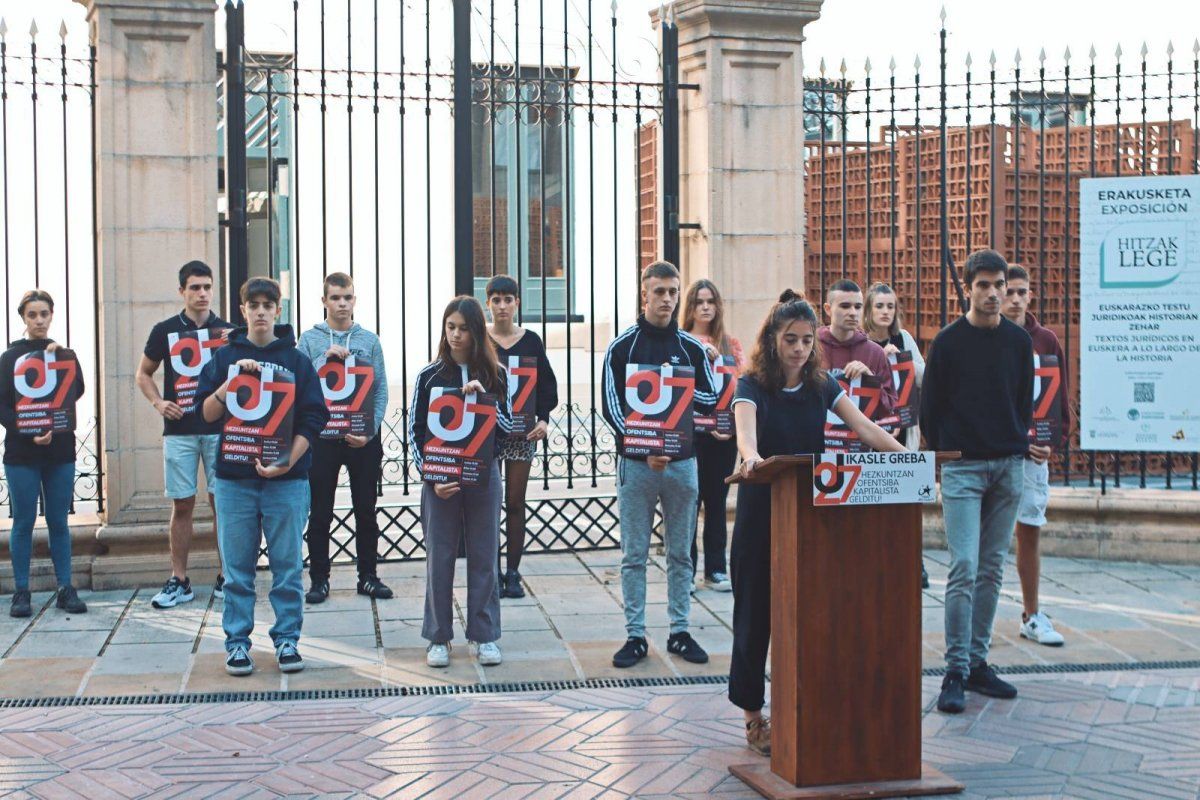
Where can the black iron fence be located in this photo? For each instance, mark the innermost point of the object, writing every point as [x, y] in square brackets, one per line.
[47, 149]
[906, 173]
[359, 104]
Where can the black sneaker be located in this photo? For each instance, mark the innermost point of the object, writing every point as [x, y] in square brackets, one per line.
[318, 594]
[289, 658]
[219, 588]
[21, 604]
[682, 644]
[238, 661]
[68, 600]
[370, 586]
[635, 650]
[952, 700]
[510, 584]
[984, 680]
[924, 577]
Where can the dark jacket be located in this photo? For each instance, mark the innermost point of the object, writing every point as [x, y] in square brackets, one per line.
[1045, 343]
[836, 355]
[310, 412]
[644, 343]
[440, 374]
[19, 447]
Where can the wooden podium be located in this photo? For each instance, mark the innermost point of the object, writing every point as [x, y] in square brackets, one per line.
[845, 647]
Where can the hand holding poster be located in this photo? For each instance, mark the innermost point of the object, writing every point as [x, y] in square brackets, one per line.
[1047, 413]
[260, 409]
[348, 388]
[462, 437]
[522, 394]
[660, 421]
[721, 420]
[189, 352]
[45, 382]
[904, 377]
[863, 479]
[866, 391]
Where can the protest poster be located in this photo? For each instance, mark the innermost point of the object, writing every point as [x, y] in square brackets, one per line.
[46, 388]
[260, 410]
[348, 386]
[1047, 413]
[660, 421]
[461, 437]
[904, 378]
[721, 420]
[867, 392]
[1139, 312]
[862, 479]
[188, 352]
[522, 394]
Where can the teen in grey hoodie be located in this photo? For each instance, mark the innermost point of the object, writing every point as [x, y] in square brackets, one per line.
[362, 456]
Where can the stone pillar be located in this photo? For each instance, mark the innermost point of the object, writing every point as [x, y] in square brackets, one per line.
[156, 173]
[742, 149]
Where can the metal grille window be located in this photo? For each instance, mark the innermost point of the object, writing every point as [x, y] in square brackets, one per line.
[519, 192]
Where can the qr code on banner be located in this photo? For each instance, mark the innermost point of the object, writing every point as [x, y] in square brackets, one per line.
[1143, 392]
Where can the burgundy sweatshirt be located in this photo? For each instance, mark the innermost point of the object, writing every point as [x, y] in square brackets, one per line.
[1045, 343]
[836, 355]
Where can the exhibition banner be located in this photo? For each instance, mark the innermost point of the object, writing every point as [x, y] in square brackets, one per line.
[1139, 312]
[660, 421]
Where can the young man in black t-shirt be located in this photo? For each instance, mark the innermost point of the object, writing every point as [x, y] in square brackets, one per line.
[183, 344]
[977, 398]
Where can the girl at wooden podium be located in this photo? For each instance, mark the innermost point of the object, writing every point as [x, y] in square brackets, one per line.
[779, 409]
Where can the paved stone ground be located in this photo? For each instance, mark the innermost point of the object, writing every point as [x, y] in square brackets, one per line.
[1093, 735]
[567, 628]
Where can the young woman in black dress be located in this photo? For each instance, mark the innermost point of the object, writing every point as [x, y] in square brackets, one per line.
[518, 452]
[779, 409]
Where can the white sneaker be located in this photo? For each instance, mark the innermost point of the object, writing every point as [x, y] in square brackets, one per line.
[438, 654]
[173, 592]
[1040, 629]
[489, 654]
[719, 582]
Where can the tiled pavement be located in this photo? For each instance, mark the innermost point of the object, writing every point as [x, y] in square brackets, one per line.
[1093, 735]
[565, 629]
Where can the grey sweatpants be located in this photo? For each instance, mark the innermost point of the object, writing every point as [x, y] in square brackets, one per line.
[638, 492]
[475, 512]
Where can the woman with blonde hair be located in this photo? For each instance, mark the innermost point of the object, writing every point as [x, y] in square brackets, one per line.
[704, 318]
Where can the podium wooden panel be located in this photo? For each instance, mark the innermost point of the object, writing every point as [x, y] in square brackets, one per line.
[845, 647]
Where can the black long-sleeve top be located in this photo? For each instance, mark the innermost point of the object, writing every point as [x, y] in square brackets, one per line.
[530, 345]
[19, 448]
[977, 396]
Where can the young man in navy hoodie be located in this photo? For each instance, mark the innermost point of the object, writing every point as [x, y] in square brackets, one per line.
[258, 500]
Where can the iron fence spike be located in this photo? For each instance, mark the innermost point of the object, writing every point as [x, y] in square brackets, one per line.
[867, 66]
[917, 63]
[1067, 54]
[992, 58]
[842, 68]
[968, 60]
[1170, 48]
[892, 64]
[1017, 58]
[62, 30]
[821, 67]
[33, 29]
[1196, 46]
[3, 28]
[1042, 56]
[942, 16]
[671, 15]
[1145, 50]
[1118, 52]
[1092, 53]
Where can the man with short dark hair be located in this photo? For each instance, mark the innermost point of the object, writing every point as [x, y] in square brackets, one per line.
[846, 348]
[188, 441]
[340, 336]
[977, 398]
[645, 480]
[1035, 625]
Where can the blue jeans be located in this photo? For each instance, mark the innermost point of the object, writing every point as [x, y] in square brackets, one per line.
[980, 500]
[25, 483]
[248, 510]
[639, 491]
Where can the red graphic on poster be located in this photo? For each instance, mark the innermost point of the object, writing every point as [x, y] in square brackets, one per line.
[660, 421]
[904, 378]
[348, 389]
[522, 394]
[462, 437]
[46, 391]
[721, 420]
[866, 391]
[188, 353]
[260, 410]
[1047, 411]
